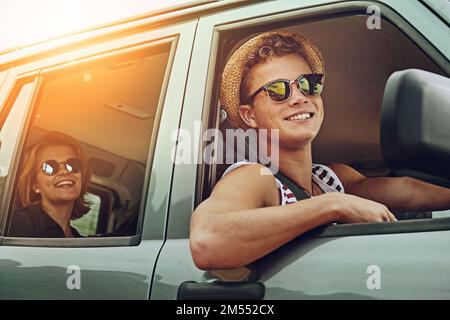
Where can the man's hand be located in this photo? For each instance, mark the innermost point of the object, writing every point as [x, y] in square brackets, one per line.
[400, 194]
[353, 209]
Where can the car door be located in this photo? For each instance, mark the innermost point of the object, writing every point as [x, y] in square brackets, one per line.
[406, 259]
[119, 93]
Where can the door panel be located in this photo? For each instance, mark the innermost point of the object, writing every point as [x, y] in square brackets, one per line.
[385, 266]
[50, 273]
[409, 266]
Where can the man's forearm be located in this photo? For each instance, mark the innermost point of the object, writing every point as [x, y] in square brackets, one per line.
[403, 194]
[234, 239]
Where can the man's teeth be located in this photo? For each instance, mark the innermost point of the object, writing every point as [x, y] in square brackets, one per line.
[302, 116]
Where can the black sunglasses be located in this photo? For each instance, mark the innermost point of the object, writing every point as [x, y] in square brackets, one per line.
[280, 90]
[51, 167]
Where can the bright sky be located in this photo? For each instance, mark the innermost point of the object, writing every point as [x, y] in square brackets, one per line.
[25, 22]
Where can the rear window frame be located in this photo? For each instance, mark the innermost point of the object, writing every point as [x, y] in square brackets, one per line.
[48, 72]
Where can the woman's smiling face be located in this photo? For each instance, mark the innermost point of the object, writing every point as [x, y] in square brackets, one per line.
[299, 118]
[62, 187]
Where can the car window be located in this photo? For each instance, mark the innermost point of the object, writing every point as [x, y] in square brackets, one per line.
[87, 224]
[11, 128]
[10, 131]
[357, 69]
[3, 75]
[110, 106]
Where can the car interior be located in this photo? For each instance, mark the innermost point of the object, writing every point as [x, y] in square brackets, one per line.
[109, 106]
[358, 62]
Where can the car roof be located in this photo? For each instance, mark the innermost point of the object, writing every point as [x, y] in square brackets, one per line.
[165, 16]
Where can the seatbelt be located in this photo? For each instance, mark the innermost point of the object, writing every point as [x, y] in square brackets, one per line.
[299, 192]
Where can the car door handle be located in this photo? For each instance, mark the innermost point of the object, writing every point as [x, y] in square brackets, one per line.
[191, 290]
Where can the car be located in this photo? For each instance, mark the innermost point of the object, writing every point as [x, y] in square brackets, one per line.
[139, 94]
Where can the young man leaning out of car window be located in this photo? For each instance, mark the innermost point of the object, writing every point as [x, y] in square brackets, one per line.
[274, 81]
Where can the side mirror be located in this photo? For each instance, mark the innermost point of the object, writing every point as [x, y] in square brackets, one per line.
[415, 125]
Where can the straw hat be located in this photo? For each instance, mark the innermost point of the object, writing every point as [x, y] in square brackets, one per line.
[234, 69]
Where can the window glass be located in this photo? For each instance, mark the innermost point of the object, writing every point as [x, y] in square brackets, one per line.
[87, 224]
[10, 132]
[441, 214]
[109, 107]
[3, 75]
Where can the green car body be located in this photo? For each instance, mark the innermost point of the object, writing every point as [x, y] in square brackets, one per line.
[409, 258]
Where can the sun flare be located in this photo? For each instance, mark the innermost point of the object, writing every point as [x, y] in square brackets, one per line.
[27, 21]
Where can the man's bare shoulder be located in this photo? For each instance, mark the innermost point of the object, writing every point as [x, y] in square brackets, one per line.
[252, 184]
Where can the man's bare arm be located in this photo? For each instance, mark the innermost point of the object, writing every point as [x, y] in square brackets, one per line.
[243, 221]
[398, 194]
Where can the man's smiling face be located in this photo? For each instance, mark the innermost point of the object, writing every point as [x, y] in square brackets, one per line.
[299, 118]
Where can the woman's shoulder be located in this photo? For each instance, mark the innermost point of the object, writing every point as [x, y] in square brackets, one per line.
[27, 213]
[23, 222]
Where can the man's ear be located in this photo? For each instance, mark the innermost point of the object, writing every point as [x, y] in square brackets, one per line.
[247, 114]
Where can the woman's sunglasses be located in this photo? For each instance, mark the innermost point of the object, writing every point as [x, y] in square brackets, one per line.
[280, 90]
[51, 167]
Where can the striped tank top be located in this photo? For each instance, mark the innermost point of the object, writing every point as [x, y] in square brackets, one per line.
[322, 175]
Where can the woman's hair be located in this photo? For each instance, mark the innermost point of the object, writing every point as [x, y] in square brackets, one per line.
[27, 177]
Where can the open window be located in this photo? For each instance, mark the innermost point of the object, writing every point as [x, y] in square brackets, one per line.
[358, 63]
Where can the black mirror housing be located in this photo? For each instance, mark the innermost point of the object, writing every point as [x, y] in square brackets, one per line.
[415, 125]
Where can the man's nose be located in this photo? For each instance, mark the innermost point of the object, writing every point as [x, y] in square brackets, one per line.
[297, 96]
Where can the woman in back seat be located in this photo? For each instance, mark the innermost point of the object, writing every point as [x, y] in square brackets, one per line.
[51, 189]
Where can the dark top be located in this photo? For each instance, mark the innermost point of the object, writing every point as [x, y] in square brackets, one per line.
[33, 222]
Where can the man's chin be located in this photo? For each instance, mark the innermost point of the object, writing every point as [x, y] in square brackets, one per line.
[298, 140]
[295, 145]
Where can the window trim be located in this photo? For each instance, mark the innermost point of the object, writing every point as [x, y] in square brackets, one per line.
[73, 242]
[206, 173]
[50, 71]
[374, 228]
[7, 94]
[105, 208]
[6, 198]
[433, 8]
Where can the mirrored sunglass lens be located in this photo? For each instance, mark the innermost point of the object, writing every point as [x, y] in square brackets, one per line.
[69, 167]
[304, 84]
[314, 83]
[278, 91]
[317, 89]
[73, 165]
[50, 167]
